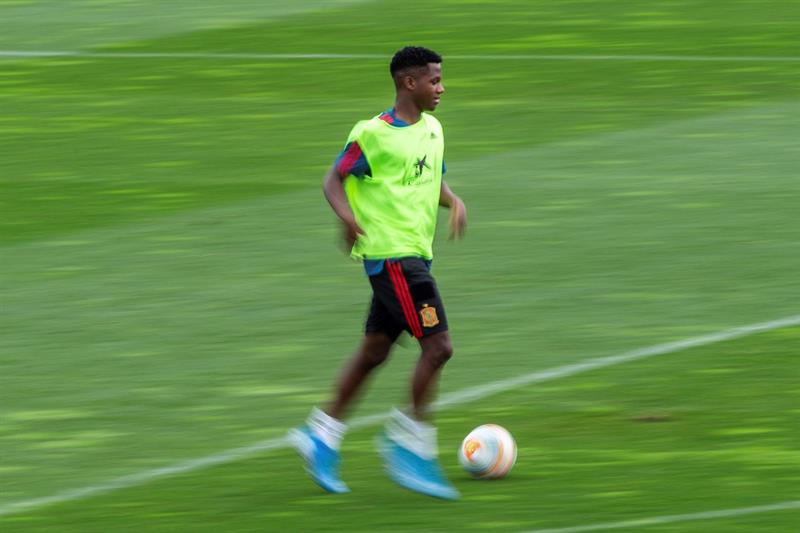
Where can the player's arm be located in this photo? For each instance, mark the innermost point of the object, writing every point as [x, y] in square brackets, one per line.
[458, 211]
[333, 187]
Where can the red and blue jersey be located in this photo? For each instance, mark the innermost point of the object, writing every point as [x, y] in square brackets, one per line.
[352, 162]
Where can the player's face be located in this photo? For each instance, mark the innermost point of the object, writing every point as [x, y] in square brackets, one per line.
[429, 87]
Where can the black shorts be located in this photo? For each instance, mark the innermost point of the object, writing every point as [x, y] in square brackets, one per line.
[405, 297]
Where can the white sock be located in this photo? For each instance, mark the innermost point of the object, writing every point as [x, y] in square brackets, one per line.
[414, 435]
[328, 429]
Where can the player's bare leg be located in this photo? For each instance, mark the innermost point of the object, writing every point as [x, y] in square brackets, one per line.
[408, 444]
[373, 351]
[319, 439]
[436, 351]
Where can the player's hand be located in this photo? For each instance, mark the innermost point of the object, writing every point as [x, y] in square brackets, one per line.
[351, 231]
[458, 219]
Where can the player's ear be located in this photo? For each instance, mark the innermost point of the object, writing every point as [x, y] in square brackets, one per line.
[409, 82]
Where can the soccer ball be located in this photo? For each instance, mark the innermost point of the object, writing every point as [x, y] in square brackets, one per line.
[488, 452]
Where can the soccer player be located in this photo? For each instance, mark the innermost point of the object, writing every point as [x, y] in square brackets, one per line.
[386, 187]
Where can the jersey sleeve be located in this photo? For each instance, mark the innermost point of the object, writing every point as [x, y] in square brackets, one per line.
[352, 161]
[444, 168]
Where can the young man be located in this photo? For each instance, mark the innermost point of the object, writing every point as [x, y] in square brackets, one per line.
[386, 187]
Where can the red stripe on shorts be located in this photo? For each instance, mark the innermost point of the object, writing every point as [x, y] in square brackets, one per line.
[395, 277]
[404, 296]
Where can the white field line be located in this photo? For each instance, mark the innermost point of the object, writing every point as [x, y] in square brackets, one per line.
[21, 54]
[669, 519]
[447, 400]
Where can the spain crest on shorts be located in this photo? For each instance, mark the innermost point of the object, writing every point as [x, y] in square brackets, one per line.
[429, 317]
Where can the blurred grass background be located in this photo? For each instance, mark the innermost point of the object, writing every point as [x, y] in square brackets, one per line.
[171, 283]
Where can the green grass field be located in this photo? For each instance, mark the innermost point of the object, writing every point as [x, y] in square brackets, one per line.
[172, 288]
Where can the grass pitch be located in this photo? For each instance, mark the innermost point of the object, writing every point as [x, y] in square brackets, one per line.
[171, 284]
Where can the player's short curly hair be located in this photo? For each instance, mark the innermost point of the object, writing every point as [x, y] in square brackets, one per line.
[412, 56]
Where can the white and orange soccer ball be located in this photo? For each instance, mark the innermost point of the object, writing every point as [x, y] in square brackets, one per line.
[488, 452]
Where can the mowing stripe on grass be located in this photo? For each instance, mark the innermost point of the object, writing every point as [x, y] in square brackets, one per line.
[482, 391]
[669, 519]
[21, 54]
[455, 398]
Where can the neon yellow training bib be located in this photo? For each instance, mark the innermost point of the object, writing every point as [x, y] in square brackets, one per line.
[397, 206]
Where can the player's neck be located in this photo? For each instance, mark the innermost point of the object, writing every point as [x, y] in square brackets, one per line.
[407, 111]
